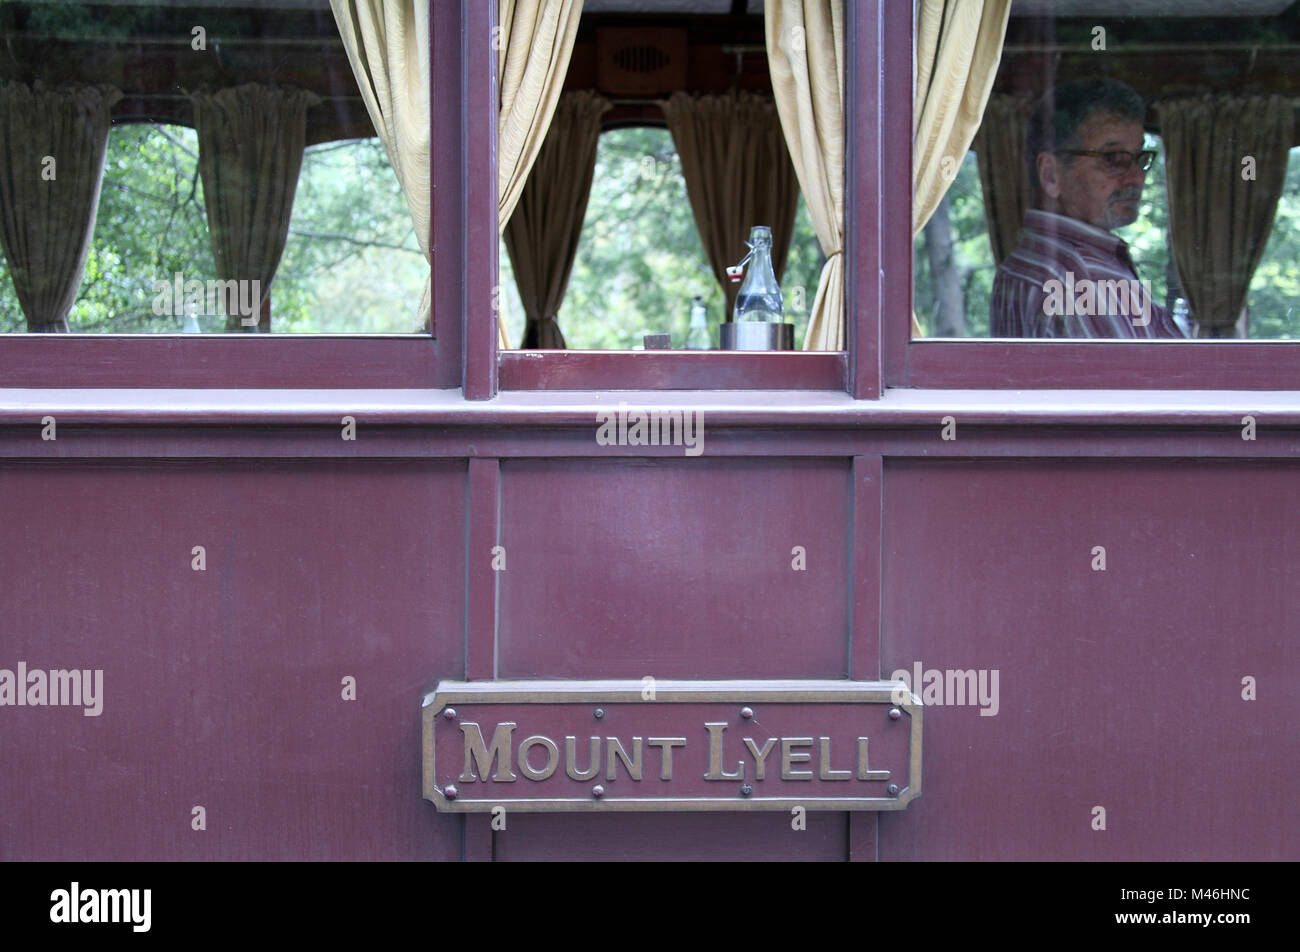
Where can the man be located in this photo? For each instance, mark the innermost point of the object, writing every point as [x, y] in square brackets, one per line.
[1069, 276]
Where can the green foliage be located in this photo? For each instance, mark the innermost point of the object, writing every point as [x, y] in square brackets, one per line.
[351, 263]
[640, 261]
[973, 256]
[1148, 236]
[1275, 288]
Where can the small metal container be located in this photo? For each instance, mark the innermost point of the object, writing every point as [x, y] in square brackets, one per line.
[755, 335]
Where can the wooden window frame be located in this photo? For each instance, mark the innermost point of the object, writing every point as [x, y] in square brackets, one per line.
[461, 351]
[1039, 364]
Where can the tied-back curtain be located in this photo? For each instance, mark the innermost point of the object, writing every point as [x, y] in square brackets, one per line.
[387, 43]
[1221, 208]
[1004, 177]
[536, 41]
[958, 48]
[52, 143]
[738, 174]
[250, 152]
[542, 235]
[805, 55]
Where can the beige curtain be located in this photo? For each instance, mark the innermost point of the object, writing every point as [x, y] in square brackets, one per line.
[250, 152]
[738, 174]
[542, 235]
[805, 55]
[1221, 208]
[387, 43]
[535, 45]
[958, 48]
[1004, 177]
[52, 144]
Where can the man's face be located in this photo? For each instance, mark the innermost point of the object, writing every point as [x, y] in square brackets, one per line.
[1082, 187]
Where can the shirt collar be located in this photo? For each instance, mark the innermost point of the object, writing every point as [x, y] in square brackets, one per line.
[1078, 232]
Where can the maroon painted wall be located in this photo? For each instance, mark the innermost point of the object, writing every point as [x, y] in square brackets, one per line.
[223, 688]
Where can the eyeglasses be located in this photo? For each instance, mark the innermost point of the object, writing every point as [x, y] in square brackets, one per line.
[1117, 163]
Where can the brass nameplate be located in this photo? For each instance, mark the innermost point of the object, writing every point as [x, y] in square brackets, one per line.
[671, 745]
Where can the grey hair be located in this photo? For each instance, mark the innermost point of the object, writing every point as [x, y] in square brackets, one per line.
[1055, 121]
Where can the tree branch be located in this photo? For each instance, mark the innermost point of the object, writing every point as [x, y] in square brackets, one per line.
[321, 236]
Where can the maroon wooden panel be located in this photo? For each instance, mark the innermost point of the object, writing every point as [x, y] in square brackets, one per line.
[223, 688]
[674, 568]
[1119, 689]
[649, 837]
[671, 370]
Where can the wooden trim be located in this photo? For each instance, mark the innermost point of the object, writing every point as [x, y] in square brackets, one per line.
[864, 244]
[866, 497]
[896, 190]
[482, 532]
[217, 361]
[479, 238]
[672, 370]
[1104, 365]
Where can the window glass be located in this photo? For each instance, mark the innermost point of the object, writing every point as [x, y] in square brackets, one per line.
[640, 262]
[338, 255]
[688, 76]
[1132, 178]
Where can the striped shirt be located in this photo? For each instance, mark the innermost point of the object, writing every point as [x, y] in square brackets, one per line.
[1067, 278]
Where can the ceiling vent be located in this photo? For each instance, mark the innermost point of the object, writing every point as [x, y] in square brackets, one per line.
[640, 61]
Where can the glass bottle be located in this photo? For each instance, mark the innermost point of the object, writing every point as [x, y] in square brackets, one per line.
[698, 336]
[760, 294]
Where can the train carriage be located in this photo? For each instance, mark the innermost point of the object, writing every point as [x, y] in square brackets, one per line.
[894, 589]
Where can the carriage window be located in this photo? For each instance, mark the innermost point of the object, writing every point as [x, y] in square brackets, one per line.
[639, 266]
[1131, 179]
[676, 117]
[195, 168]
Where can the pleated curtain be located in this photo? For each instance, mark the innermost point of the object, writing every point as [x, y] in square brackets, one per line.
[543, 232]
[1225, 164]
[250, 153]
[1004, 177]
[805, 56]
[536, 41]
[387, 43]
[958, 48]
[52, 144]
[738, 174]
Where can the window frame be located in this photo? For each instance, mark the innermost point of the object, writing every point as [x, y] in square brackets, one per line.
[855, 369]
[238, 361]
[461, 351]
[999, 364]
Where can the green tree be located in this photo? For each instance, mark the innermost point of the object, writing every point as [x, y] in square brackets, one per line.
[351, 262]
[640, 260]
